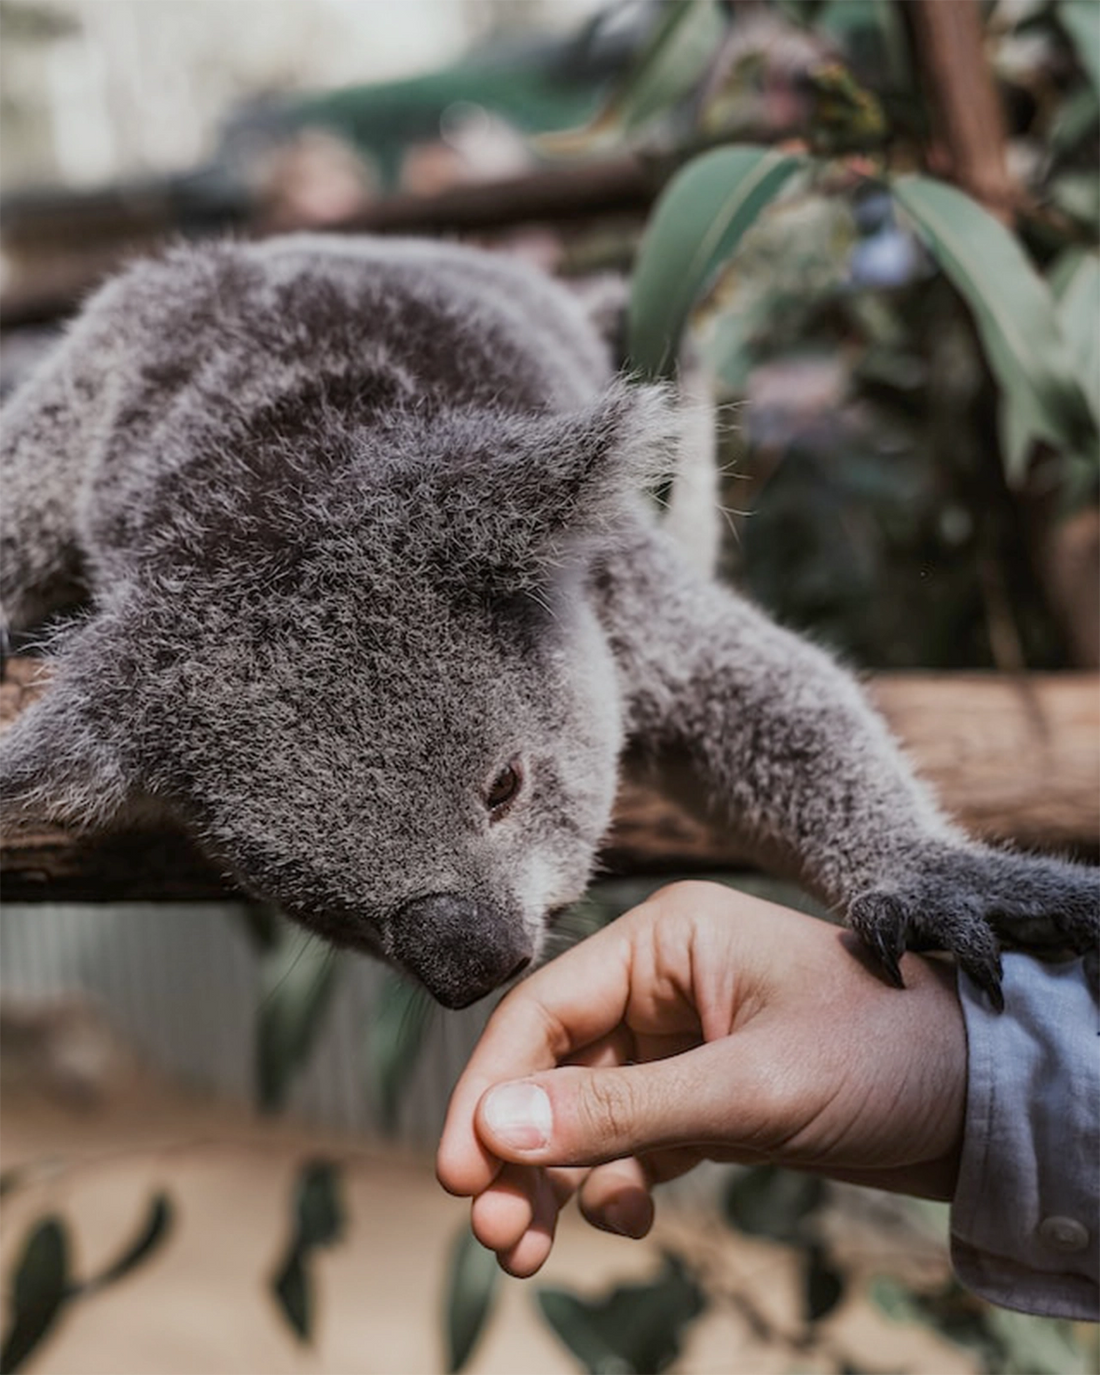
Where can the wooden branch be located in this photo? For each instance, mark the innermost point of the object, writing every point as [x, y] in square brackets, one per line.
[967, 119]
[53, 284]
[1012, 759]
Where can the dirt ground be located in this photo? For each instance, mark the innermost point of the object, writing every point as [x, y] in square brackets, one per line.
[94, 1147]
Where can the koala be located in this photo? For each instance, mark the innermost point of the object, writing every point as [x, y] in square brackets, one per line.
[374, 601]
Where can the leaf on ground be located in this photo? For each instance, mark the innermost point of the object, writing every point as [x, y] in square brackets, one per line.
[636, 1329]
[472, 1282]
[767, 1201]
[40, 1287]
[822, 1285]
[319, 1220]
[154, 1233]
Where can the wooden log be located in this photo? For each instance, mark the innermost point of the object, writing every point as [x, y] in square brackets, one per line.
[50, 285]
[1013, 759]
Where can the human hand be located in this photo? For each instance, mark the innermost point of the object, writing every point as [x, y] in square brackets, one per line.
[704, 1024]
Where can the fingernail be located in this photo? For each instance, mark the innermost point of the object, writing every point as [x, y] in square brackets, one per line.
[630, 1215]
[519, 1116]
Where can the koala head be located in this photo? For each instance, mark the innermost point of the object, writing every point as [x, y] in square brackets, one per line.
[367, 673]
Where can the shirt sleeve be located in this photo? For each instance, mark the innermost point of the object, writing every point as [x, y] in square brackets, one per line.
[1025, 1220]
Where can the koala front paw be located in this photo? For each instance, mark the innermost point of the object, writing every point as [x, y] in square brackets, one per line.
[969, 901]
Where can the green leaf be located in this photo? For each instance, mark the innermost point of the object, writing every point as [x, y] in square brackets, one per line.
[1080, 19]
[471, 1289]
[822, 1285]
[1078, 296]
[1074, 281]
[767, 1201]
[1036, 1346]
[39, 1289]
[400, 1017]
[1012, 308]
[682, 46]
[1076, 117]
[637, 1329]
[696, 225]
[319, 1221]
[893, 1299]
[297, 976]
[294, 1296]
[157, 1226]
[318, 1206]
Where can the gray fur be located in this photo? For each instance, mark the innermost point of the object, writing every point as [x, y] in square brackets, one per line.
[359, 525]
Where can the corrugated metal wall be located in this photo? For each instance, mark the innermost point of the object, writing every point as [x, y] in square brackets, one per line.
[180, 983]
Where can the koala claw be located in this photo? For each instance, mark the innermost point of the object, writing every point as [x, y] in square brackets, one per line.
[880, 922]
[888, 925]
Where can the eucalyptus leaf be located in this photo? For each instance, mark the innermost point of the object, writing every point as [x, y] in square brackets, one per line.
[472, 1283]
[297, 976]
[1078, 294]
[318, 1206]
[637, 1328]
[157, 1226]
[291, 1288]
[401, 1014]
[1074, 280]
[1076, 117]
[768, 1201]
[1081, 21]
[894, 1299]
[318, 1221]
[696, 225]
[681, 47]
[1037, 1346]
[1012, 308]
[822, 1285]
[39, 1288]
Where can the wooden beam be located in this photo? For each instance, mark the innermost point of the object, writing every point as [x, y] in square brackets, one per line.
[1013, 759]
[57, 261]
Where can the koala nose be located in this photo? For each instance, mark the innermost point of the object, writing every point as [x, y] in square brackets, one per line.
[460, 948]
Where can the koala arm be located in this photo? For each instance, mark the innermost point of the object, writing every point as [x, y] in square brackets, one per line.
[784, 744]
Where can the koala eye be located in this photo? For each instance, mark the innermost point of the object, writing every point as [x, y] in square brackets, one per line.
[504, 789]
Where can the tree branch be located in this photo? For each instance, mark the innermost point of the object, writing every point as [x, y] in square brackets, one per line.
[1013, 759]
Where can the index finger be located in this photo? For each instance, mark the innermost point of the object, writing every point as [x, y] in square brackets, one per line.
[576, 999]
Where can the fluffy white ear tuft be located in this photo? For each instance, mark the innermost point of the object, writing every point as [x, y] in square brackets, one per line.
[523, 491]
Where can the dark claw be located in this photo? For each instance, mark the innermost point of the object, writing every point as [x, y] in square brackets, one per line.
[1092, 970]
[880, 921]
[985, 971]
[886, 955]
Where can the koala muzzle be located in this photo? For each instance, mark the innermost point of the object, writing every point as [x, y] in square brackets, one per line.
[460, 948]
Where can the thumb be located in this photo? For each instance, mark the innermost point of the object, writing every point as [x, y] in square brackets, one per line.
[579, 1116]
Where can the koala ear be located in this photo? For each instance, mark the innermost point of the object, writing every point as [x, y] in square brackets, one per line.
[61, 758]
[531, 490]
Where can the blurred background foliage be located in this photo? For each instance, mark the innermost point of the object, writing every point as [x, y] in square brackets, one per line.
[896, 485]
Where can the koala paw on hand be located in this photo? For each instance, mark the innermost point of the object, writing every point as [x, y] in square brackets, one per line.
[970, 901]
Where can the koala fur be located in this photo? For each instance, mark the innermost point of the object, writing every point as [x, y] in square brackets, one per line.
[375, 603]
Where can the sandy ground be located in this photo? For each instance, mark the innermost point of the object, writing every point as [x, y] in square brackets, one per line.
[201, 1303]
